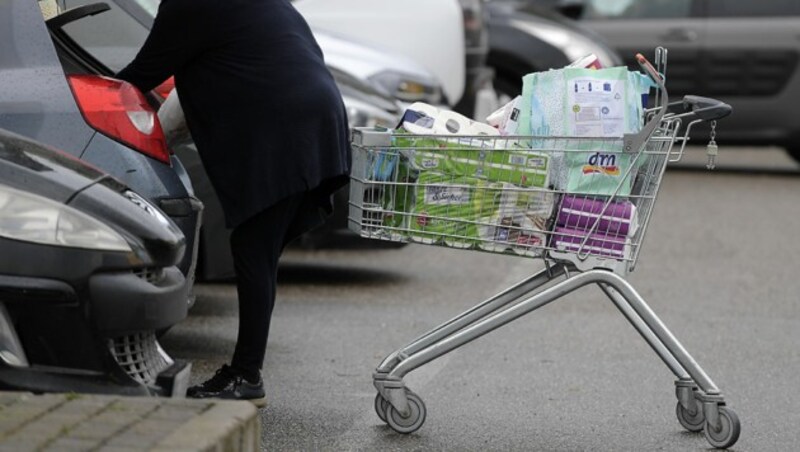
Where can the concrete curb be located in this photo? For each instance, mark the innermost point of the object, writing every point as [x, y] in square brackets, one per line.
[80, 422]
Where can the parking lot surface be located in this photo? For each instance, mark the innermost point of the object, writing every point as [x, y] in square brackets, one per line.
[718, 266]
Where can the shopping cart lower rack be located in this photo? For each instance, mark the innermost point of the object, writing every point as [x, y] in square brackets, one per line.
[582, 205]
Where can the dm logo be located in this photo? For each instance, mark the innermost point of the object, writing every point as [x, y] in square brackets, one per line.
[602, 164]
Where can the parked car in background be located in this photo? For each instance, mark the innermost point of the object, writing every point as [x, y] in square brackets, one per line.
[51, 91]
[447, 37]
[480, 98]
[88, 275]
[393, 74]
[745, 53]
[527, 37]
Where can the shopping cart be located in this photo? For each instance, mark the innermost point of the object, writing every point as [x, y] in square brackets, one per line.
[517, 195]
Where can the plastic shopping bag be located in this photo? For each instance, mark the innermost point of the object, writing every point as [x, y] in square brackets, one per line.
[173, 123]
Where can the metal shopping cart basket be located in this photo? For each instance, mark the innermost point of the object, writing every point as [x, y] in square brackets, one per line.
[527, 196]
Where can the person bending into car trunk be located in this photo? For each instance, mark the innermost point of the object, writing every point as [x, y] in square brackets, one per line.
[272, 133]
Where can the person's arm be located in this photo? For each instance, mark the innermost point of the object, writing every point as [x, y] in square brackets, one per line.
[180, 33]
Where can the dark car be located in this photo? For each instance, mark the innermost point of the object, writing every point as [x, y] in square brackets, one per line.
[527, 37]
[52, 91]
[745, 53]
[88, 275]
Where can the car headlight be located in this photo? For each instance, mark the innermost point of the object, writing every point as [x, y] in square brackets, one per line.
[408, 87]
[32, 218]
[362, 114]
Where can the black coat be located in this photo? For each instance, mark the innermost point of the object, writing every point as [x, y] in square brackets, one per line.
[262, 107]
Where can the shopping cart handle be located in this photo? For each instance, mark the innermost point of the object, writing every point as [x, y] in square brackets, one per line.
[706, 108]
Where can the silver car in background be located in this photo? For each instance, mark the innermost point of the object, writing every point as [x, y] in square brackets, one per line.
[745, 53]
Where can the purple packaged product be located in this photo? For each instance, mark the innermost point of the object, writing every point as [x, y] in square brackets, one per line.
[570, 240]
[581, 213]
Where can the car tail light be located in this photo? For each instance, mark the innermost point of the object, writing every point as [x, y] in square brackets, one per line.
[165, 88]
[118, 110]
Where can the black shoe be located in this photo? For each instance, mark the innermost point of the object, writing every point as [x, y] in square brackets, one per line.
[229, 384]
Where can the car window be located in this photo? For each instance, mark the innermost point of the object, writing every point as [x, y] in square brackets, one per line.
[112, 37]
[637, 9]
[761, 8]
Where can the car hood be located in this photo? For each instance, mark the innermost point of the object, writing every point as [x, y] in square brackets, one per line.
[363, 60]
[31, 166]
[430, 32]
[352, 87]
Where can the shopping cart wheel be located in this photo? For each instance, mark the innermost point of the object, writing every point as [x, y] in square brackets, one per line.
[694, 422]
[414, 420]
[380, 406]
[726, 433]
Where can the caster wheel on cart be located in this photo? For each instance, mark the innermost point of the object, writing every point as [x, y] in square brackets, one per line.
[692, 422]
[380, 406]
[726, 434]
[414, 420]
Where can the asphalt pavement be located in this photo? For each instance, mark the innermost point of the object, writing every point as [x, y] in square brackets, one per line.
[718, 266]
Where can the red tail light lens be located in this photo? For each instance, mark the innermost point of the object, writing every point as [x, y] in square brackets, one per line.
[165, 88]
[118, 110]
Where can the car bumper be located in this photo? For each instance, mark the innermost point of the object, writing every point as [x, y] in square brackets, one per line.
[187, 215]
[138, 301]
[98, 337]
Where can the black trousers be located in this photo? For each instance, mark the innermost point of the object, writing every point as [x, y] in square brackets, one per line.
[257, 245]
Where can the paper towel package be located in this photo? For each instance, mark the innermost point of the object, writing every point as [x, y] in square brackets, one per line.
[446, 209]
[523, 168]
[424, 119]
[572, 240]
[609, 226]
[584, 213]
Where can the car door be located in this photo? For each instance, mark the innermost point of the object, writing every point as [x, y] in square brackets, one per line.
[751, 61]
[639, 26]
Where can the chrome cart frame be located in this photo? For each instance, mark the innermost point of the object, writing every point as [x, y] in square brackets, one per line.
[700, 406]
